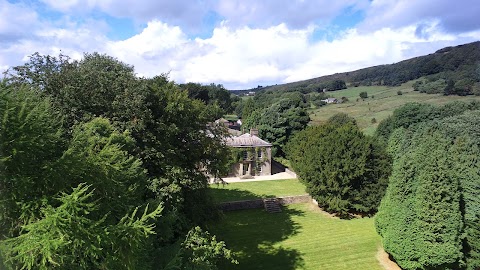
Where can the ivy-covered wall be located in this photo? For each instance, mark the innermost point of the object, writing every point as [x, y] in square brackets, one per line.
[249, 156]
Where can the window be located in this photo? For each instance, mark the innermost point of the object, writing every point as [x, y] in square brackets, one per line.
[259, 153]
[245, 155]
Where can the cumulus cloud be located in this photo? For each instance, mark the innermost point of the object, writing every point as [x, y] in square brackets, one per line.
[185, 13]
[242, 57]
[296, 14]
[234, 54]
[16, 22]
[23, 32]
[191, 15]
[453, 17]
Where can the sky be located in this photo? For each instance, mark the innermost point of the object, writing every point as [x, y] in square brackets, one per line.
[238, 43]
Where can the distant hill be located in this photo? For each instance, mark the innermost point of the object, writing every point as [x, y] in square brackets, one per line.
[452, 65]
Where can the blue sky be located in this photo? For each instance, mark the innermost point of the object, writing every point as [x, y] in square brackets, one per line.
[237, 43]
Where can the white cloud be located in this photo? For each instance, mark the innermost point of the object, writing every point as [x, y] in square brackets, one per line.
[243, 57]
[16, 21]
[453, 16]
[236, 56]
[294, 13]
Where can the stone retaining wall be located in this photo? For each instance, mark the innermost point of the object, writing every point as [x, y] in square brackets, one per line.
[258, 203]
[294, 199]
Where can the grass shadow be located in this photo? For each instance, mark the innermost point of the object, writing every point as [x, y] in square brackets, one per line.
[253, 236]
[227, 195]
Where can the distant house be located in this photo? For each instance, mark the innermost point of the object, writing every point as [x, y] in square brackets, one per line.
[330, 100]
[253, 155]
[231, 124]
[222, 121]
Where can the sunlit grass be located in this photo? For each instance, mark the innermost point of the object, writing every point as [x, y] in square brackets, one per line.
[301, 237]
[257, 189]
[385, 100]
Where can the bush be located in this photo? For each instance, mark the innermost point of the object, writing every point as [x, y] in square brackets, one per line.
[399, 93]
[363, 95]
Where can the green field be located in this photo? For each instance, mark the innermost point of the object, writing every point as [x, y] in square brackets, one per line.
[300, 237]
[385, 100]
[257, 189]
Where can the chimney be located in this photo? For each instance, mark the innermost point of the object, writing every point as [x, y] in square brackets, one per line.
[254, 132]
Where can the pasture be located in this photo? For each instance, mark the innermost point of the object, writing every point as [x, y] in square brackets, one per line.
[381, 102]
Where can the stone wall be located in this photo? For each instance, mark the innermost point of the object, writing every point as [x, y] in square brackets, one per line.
[258, 203]
[294, 199]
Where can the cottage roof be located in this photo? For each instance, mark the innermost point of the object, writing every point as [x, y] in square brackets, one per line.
[247, 140]
[221, 120]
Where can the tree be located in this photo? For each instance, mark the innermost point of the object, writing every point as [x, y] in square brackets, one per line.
[429, 216]
[248, 108]
[134, 141]
[363, 95]
[67, 237]
[341, 119]
[210, 94]
[423, 196]
[45, 223]
[278, 123]
[414, 113]
[342, 169]
[80, 89]
[30, 145]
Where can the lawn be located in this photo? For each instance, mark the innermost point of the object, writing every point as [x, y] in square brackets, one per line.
[300, 237]
[385, 100]
[257, 189]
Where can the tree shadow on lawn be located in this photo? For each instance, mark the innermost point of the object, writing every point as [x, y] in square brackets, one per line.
[253, 235]
[228, 195]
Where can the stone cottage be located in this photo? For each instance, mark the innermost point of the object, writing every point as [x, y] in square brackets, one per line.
[253, 155]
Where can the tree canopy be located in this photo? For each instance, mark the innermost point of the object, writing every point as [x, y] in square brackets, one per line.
[429, 217]
[343, 170]
[122, 161]
[278, 123]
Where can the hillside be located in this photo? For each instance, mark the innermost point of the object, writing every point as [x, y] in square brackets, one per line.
[381, 102]
[455, 63]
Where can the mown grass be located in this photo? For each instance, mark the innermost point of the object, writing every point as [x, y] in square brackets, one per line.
[257, 189]
[385, 100]
[300, 237]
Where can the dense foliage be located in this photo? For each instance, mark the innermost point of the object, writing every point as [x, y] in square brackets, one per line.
[344, 170]
[211, 94]
[430, 215]
[413, 113]
[278, 123]
[101, 169]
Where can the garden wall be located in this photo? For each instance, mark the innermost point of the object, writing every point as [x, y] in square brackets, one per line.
[258, 203]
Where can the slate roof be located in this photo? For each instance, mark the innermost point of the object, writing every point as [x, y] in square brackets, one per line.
[247, 140]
